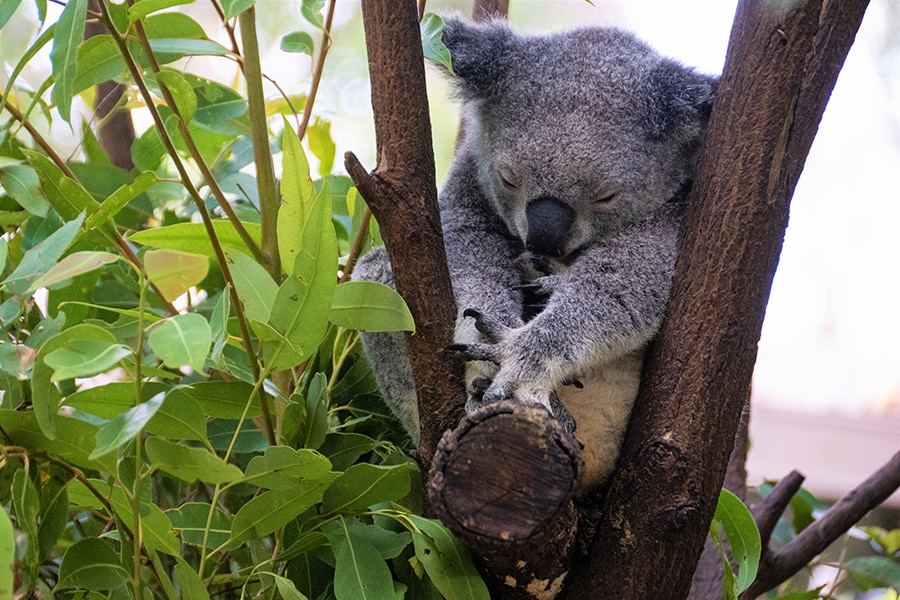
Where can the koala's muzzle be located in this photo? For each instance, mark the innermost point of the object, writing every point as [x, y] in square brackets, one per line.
[549, 223]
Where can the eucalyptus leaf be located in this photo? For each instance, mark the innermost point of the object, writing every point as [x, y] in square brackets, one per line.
[369, 306]
[66, 38]
[298, 194]
[174, 272]
[447, 562]
[84, 358]
[743, 536]
[274, 509]
[432, 28]
[299, 42]
[7, 553]
[91, 564]
[190, 464]
[192, 237]
[182, 340]
[125, 427]
[71, 266]
[363, 485]
[360, 572]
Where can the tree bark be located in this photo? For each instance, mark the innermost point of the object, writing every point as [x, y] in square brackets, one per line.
[402, 194]
[783, 60]
[504, 481]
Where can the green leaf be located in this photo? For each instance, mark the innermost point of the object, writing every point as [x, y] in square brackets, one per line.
[22, 185]
[46, 397]
[274, 509]
[298, 194]
[300, 311]
[287, 589]
[183, 47]
[870, 572]
[126, 426]
[743, 536]
[192, 237]
[7, 9]
[254, 285]
[190, 464]
[71, 266]
[98, 60]
[182, 340]
[54, 515]
[173, 25]
[233, 8]
[447, 562]
[889, 541]
[91, 564]
[73, 443]
[318, 134]
[156, 528]
[182, 92]
[141, 9]
[432, 27]
[363, 485]
[221, 399]
[314, 422]
[41, 258]
[173, 271]
[27, 506]
[312, 12]
[66, 196]
[298, 41]
[369, 306]
[7, 552]
[343, 449]
[390, 544]
[360, 572]
[84, 358]
[281, 467]
[190, 520]
[190, 584]
[218, 323]
[66, 38]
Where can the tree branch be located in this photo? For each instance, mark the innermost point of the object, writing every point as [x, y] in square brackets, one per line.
[402, 195]
[783, 60]
[778, 565]
[767, 512]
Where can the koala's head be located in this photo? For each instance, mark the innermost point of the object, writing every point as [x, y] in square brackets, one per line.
[575, 134]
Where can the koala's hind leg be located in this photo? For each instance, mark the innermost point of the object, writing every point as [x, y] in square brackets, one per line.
[387, 352]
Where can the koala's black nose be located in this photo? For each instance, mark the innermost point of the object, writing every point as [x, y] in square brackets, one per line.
[549, 222]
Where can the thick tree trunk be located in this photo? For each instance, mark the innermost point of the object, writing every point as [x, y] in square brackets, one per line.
[402, 195]
[783, 60]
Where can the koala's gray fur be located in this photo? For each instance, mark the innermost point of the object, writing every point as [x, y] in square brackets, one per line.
[577, 150]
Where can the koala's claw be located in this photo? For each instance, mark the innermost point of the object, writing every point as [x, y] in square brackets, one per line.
[487, 326]
[487, 352]
[574, 382]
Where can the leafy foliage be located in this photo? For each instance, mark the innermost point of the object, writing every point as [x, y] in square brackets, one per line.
[185, 410]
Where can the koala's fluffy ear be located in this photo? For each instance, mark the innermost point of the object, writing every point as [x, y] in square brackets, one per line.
[678, 101]
[477, 53]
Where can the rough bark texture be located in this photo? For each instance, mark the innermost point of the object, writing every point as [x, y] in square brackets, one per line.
[402, 195]
[783, 60]
[504, 482]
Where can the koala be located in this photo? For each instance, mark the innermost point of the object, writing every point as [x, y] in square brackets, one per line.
[560, 217]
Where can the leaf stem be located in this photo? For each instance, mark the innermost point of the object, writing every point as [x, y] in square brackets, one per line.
[265, 171]
[317, 73]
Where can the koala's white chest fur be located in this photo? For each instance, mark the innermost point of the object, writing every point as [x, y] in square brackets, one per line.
[601, 409]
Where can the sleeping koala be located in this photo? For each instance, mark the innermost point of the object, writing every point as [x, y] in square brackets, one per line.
[566, 192]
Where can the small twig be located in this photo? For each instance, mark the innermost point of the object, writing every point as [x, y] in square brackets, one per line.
[778, 565]
[357, 244]
[317, 73]
[767, 512]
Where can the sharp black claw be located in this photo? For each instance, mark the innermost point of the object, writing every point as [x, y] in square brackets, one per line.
[574, 382]
[473, 313]
[528, 287]
[458, 347]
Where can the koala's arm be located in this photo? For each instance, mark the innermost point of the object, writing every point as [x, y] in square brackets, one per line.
[481, 253]
[608, 304]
